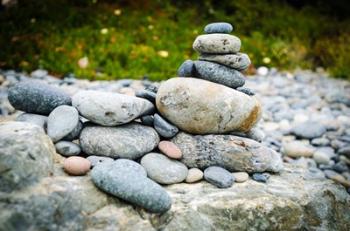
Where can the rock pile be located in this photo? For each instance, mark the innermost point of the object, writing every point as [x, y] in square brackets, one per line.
[181, 132]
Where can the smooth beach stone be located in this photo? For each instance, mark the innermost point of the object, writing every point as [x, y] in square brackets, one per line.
[130, 141]
[261, 177]
[110, 109]
[75, 133]
[201, 107]
[217, 73]
[147, 120]
[149, 95]
[163, 127]
[95, 160]
[217, 44]
[309, 130]
[76, 166]
[240, 177]
[121, 179]
[321, 157]
[194, 175]
[297, 149]
[218, 27]
[219, 177]
[67, 148]
[62, 121]
[186, 69]
[239, 61]
[164, 170]
[170, 149]
[344, 151]
[37, 97]
[26, 155]
[246, 91]
[230, 152]
[39, 120]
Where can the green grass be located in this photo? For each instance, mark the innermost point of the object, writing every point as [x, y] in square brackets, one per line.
[153, 38]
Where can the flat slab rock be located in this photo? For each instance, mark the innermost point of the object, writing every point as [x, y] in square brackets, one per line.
[293, 200]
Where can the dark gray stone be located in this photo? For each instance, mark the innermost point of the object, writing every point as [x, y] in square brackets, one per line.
[37, 97]
[124, 179]
[186, 69]
[345, 151]
[218, 27]
[26, 155]
[219, 177]
[163, 127]
[246, 90]
[164, 170]
[309, 130]
[129, 141]
[261, 177]
[230, 152]
[149, 95]
[67, 148]
[218, 74]
[147, 120]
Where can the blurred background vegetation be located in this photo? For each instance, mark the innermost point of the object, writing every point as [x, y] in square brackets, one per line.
[131, 39]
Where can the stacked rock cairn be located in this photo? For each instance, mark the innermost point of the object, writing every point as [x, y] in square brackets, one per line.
[183, 131]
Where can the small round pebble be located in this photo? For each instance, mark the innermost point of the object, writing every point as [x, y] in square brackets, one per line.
[219, 177]
[170, 149]
[194, 175]
[261, 177]
[67, 148]
[76, 165]
[218, 27]
[240, 177]
[95, 160]
[321, 157]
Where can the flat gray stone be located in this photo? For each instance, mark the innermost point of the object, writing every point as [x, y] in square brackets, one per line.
[217, 73]
[219, 177]
[239, 61]
[164, 170]
[309, 130]
[124, 179]
[130, 141]
[217, 44]
[26, 155]
[218, 27]
[67, 148]
[110, 109]
[62, 121]
[230, 152]
[37, 97]
[39, 120]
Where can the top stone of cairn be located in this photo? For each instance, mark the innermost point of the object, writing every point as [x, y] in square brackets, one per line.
[218, 27]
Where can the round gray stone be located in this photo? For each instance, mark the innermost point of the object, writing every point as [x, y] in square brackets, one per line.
[219, 177]
[309, 130]
[37, 97]
[62, 121]
[110, 109]
[130, 141]
[26, 155]
[217, 44]
[67, 148]
[75, 133]
[124, 180]
[218, 27]
[164, 170]
[217, 73]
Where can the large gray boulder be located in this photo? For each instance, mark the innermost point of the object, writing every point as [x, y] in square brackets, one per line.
[201, 107]
[233, 153]
[26, 155]
[129, 141]
[110, 109]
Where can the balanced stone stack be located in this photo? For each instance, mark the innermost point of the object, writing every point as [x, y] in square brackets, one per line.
[179, 132]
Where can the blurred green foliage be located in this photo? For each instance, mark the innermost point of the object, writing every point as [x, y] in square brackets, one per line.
[131, 39]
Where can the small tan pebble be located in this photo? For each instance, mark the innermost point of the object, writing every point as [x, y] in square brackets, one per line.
[240, 176]
[76, 166]
[297, 149]
[194, 175]
[341, 180]
[170, 149]
[127, 91]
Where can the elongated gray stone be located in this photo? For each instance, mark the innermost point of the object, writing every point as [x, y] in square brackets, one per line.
[218, 73]
[218, 27]
[230, 152]
[110, 109]
[217, 44]
[239, 61]
[37, 97]
[202, 107]
[129, 141]
[124, 179]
